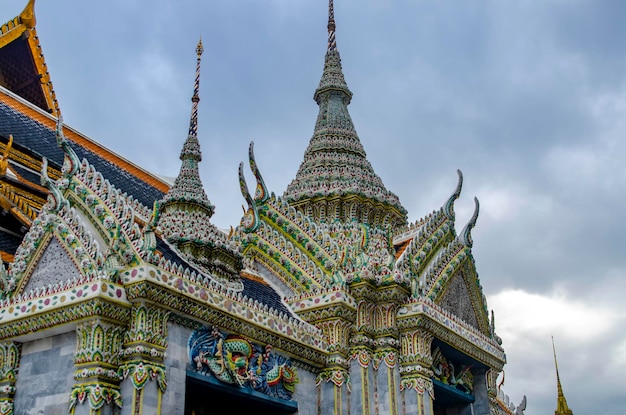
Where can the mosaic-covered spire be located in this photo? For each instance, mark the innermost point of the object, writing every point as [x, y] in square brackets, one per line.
[188, 186]
[184, 213]
[336, 181]
[561, 402]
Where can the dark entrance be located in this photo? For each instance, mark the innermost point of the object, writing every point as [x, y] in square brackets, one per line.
[207, 396]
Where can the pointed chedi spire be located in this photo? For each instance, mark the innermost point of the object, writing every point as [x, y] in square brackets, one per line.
[188, 189]
[184, 213]
[336, 181]
[561, 402]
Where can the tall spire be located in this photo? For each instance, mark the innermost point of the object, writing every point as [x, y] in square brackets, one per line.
[336, 181]
[561, 403]
[332, 43]
[184, 213]
[188, 187]
[192, 146]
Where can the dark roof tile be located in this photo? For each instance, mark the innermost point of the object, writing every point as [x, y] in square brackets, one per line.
[42, 141]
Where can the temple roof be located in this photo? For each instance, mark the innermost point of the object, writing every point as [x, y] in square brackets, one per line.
[254, 287]
[335, 166]
[40, 140]
[23, 69]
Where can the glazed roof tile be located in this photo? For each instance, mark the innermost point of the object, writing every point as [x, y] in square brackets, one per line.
[42, 141]
[26, 174]
[263, 293]
[9, 242]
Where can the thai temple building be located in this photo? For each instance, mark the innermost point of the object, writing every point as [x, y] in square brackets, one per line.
[119, 296]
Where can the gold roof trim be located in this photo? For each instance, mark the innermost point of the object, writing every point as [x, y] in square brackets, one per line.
[14, 28]
[17, 205]
[24, 25]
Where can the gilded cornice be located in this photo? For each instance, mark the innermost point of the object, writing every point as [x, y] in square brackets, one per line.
[17, 205]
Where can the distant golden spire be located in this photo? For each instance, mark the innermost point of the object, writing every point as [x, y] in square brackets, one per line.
[561, 402]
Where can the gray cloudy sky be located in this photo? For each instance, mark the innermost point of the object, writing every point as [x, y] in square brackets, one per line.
[527, 97]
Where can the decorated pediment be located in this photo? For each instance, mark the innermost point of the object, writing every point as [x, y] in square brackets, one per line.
[307, 255]
[466, 303]
[54, 267]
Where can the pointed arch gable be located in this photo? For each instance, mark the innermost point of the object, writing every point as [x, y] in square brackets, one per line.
[462, 296]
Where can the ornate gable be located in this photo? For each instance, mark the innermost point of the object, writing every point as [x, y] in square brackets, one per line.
[458, 299]
[451, 281]
[54, 267]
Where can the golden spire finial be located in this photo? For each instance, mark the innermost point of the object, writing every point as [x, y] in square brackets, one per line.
[199, 48]
[561, 402]
[27, 17]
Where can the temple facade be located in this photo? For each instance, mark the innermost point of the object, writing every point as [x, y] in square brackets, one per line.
[119, 296]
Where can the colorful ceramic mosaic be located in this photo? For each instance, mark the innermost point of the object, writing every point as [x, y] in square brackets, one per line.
[96, 395]
[235, 360]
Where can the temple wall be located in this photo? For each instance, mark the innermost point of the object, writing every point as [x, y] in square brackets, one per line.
[176, 365]
[306, 393]
[45, 376]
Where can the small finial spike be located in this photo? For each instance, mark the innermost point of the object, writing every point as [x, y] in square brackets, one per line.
[332, 43]
[199, 48]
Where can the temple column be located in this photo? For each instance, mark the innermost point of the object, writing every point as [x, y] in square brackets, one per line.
[334, 379]
[489, 379]
[481, 394]
[363, 387]
[334, 312]
[387, 345]
[415, 372]
[96, 360]
[143, 354]
[10, 353]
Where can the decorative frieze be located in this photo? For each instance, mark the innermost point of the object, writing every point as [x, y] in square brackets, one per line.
[235, 360]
